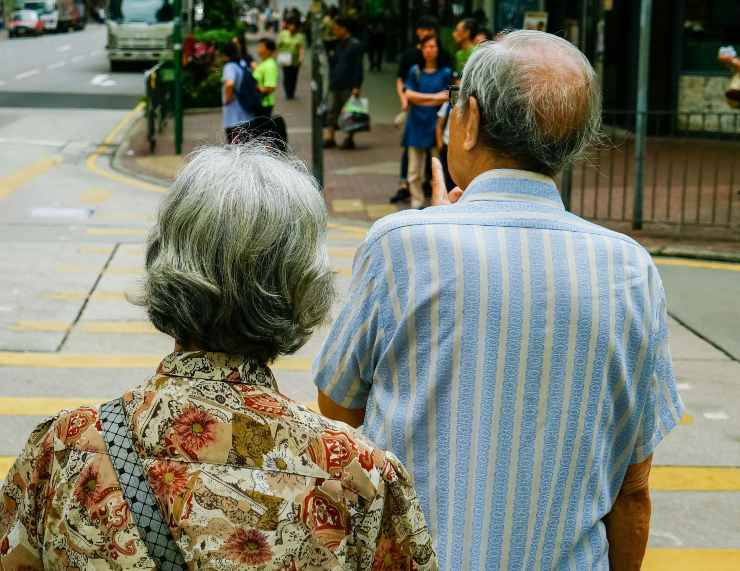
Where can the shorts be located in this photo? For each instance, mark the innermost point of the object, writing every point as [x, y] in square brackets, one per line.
[337, 99]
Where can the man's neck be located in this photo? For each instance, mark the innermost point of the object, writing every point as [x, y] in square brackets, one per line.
[485, 162]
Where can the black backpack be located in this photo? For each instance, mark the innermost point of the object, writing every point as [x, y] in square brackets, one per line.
[246, 94]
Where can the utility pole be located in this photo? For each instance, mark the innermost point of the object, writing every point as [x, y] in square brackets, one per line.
[177, 60]
[643, 68]
[317, 95]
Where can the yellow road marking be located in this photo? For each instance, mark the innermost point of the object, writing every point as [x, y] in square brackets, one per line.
[90, 249]
[695, 478]
[92, 161]
[686, 420]
[115, 270]
[117, 327]
[346, 272]
[677, 559]
[95, 196]
[356, 230]
[341, 252]
[5, 464]
[348, 205]
[27, 406]
[12, 182]
[117, 231]
[31, 325]
[702, 264]
[93, 361]
[376, 211]
[81, 295]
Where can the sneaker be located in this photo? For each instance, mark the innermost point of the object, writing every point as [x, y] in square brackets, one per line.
[402, 194]
[329, 144]
[347, 145]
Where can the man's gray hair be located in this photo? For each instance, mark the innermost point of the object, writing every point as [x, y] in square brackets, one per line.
[538, 97]
[237, 261]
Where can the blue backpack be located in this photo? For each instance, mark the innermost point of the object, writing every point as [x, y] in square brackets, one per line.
[246, 94]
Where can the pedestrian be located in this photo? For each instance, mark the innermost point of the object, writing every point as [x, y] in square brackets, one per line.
[246, 60]
[426, 91]
[426, 26]
[291, 47]
[443, 141]
[345, 79]
[231, 78]
[376, 43]
[266, 75]
[327, 30]
[207, 461]
[464, 35]
[482, 36]
[513, 355]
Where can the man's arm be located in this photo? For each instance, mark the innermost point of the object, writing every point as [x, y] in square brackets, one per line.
[228, 91]
[330, 409]
[628, 522]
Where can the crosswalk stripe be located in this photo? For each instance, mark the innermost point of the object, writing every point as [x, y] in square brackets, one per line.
[695, 478]
[81, 361]
[678, 559]
[40, 326]
[81, 295]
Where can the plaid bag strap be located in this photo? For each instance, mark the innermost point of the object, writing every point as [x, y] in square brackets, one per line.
[136, 489]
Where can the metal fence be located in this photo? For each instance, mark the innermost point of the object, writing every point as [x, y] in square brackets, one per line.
[159, 100]
[691, 181]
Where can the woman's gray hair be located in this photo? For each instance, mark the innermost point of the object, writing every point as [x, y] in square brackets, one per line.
[538, 96]
[237, 261]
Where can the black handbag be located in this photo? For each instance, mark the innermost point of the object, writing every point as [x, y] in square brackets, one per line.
[135, 486]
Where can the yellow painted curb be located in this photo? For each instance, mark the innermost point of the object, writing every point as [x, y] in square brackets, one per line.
[677, 559]
[695, 479]
[12, 182]
[701, 264]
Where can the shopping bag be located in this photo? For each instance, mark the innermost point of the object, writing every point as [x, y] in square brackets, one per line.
[355, 115]
[285, 59]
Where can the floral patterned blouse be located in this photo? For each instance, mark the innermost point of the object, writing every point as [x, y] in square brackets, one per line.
[246, 478]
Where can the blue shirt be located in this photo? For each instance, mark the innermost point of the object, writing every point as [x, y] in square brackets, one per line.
[233, 112]
[515, 357]
[421, 120]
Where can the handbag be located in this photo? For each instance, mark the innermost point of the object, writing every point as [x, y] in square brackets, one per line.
[355, 115]
[136, 489]
[733, 91]
[285, 59]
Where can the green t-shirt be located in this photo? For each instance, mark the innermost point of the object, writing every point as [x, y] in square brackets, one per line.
[461, 58]
[266, 75]
[290, 43]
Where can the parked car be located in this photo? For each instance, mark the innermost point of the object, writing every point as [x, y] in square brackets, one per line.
[25, 23]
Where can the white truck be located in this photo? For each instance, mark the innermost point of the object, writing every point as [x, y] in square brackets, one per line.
[140, 30]
[57, 15]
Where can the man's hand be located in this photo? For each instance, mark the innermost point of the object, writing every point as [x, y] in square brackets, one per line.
[355, 92]
[440, 196]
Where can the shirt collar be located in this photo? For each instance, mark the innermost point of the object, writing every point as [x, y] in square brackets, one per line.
[511, 185]
[204, 365]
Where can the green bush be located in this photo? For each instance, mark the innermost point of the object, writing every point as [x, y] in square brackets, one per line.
[205, 93]
[217, 37]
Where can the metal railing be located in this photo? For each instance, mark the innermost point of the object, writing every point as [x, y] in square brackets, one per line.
[159, 100]
[691, 180]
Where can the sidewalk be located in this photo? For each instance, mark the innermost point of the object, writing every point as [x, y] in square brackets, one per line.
[358, 183]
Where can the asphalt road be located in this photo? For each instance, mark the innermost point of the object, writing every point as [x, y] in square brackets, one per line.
[71, 247]
[65, 70]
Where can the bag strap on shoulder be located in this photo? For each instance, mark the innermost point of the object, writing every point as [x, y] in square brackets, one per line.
[135, 486]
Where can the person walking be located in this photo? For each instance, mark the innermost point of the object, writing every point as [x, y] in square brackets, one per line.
[426, 91]
[223, 469]
[231, 78]
[266, 75]
[514, 355]
[345, 79]
[291, 49]
[464, 36]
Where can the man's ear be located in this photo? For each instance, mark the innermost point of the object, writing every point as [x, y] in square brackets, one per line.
[472, 124]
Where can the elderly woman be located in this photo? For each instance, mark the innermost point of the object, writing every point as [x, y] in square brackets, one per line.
[238, 475]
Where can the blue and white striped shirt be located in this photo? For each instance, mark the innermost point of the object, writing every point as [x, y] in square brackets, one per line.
[515, 357]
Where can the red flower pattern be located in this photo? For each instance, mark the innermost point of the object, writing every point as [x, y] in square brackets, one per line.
[195, 428]
[167, 478]
[249, 547]
[88, 486]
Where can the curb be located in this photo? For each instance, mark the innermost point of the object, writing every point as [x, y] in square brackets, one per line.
[692, 254]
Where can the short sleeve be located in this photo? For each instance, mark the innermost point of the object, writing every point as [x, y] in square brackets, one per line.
[271, 76]
[229, 73]
[662, 409]
[403, 540]
[22, 499]
[345, 365]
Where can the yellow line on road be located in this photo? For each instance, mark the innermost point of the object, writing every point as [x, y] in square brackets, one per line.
[342, 252]
[40, 326]
[81, 361]
[27, 406]
[701, 264]
[92, 161]
[95, 196]
[677, 559]
[12, 182]
[105, 231]
[695, 478]
[356, 230]
[81, 295]
[31, 325]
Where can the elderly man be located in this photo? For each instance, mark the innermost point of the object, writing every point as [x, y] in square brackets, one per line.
[514, 355]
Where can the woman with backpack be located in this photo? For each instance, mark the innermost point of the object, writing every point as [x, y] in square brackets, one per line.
[426, 90]
[232, 76]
